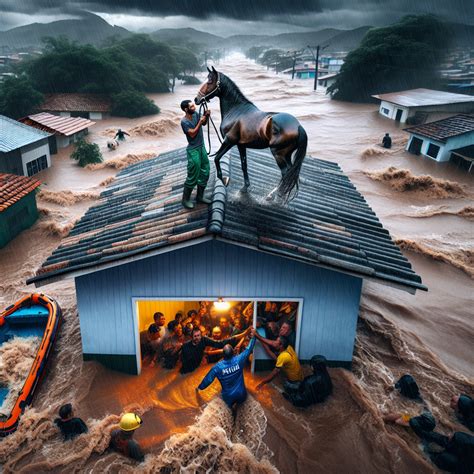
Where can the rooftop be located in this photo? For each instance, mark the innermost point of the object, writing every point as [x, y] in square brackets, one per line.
[466, 152]
[14, 135]
[328, 76]
[13, 188]
[76, 103]
[54, 124]
[424, 97]
[328, 224]
[443, 129]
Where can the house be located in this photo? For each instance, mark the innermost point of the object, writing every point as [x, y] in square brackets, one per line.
[464, 157]
[438, 140]
[89, 106]
[139, 246]
[23, 150]
[334, 65]
[422, 105]
[327, 80]
[18, 209]
[64, 130]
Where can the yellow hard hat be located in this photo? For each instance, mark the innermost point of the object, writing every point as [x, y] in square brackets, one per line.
[130, 422]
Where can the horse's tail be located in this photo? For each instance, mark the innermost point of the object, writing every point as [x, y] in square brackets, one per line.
[290, 180]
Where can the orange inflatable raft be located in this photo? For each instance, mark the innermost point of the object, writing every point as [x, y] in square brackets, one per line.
[38, 316]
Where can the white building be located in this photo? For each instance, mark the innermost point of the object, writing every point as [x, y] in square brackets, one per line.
[422, 105]
[66, 130]
[438, 140]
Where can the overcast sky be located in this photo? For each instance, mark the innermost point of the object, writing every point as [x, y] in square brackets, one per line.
[228, 17]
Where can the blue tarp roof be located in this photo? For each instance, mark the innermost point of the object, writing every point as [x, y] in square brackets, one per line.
[14, 134]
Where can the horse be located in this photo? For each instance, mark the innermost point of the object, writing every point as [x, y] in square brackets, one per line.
[245, 125]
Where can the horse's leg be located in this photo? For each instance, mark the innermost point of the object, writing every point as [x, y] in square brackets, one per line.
[225, 147]
[243, 160]
[283, 158]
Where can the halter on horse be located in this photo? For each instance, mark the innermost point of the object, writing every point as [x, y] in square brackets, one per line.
[245, 125]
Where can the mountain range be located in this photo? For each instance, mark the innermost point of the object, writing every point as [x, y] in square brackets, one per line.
[90, 28]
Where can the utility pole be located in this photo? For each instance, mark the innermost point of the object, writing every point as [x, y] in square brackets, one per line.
[295, 54]
[316, 59]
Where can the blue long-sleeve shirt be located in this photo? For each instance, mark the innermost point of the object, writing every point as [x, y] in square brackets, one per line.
[230, 374]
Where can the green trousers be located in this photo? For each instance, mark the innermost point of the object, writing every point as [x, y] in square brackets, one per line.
[198, 167]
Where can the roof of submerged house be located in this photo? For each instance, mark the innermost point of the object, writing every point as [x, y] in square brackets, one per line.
[66, 126]
[14, 135]
[140, 214]
[13, 188]
[446, 128]
[424, 97]
[76, 102]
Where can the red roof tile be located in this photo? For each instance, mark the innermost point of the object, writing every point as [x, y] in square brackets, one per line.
[13, 188]
[54, 124]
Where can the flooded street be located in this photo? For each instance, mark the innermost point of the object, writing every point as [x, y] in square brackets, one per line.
[430, 334]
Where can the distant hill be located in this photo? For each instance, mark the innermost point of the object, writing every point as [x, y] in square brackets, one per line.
[187, 35]
[88, 29]
[338, 39]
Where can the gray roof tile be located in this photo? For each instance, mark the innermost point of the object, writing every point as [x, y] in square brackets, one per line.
[328, 223]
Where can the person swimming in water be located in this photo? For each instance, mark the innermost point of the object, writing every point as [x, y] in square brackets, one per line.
[230, 373]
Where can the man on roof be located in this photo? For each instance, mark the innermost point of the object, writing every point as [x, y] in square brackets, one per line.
[198, 161]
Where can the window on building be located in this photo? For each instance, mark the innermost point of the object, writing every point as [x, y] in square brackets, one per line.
[35, 166]
[385, 111]
[433, 150]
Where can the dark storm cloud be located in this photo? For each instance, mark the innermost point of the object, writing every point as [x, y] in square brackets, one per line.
[248, 14]
[240, 10]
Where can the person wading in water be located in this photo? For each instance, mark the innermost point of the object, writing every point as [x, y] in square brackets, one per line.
[198, 161]
[230, 373]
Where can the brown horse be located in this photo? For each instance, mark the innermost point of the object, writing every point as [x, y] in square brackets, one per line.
[245, 125]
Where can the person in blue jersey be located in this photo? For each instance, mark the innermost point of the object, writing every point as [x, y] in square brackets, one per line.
[230, 373]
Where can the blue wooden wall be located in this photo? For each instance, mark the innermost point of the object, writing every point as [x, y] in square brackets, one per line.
[211, 269]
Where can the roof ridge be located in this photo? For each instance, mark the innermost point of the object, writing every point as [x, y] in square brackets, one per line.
[219, 197]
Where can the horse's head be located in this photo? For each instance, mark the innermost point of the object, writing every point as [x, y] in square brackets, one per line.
[210, 89]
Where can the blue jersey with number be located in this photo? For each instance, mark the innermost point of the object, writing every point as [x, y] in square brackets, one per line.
[230, 374]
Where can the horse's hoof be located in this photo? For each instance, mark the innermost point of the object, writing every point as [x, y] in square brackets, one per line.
[244, 189]
[225, 181]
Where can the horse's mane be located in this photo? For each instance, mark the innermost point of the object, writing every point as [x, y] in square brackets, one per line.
[233, 93]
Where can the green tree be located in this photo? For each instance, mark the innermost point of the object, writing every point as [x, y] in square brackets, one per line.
[86, 153]
[18, 97]
[405, 55]
[132, 104]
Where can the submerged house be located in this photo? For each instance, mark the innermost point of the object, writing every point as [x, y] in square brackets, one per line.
[441, 139]
[23, 150]
[18, 209]
[423, 105]
[139, 245]
[89, 106]
[63, 130]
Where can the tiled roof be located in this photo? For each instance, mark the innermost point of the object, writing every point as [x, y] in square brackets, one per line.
[441, 130]
[328, 224]
[13, 188]
[14, 135]
[55, 124]
[424, 98]
[76, 103]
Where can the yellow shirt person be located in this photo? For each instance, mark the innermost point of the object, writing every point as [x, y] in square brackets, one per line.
[288, 362]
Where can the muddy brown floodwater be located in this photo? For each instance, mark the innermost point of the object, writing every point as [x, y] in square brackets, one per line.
[428, 208]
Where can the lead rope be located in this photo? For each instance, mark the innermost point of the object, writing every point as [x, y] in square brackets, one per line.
[204, 107]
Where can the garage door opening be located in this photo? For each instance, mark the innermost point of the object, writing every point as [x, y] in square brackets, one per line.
[164, 325]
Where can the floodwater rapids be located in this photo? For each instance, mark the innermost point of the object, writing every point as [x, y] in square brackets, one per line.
[427, 207]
